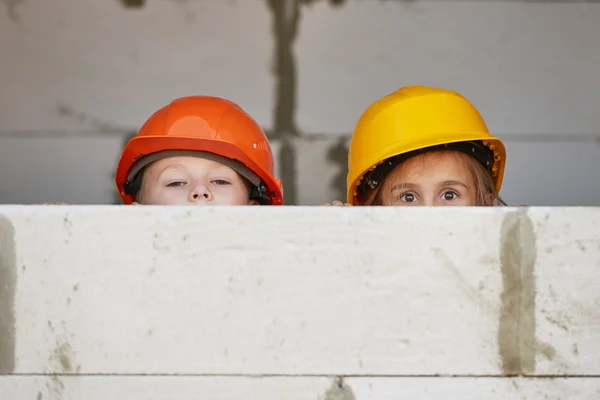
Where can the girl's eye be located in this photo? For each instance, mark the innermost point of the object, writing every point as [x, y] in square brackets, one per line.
[450, 195]
[220, 182]
[408, 197]
[176, 184]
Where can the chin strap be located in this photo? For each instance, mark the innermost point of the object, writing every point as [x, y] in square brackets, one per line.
[259, 193]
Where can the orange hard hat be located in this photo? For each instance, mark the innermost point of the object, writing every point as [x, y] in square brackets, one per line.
[208, 127]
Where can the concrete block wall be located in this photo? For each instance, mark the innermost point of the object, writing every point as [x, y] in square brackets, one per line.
[78, 77]
[325, 303]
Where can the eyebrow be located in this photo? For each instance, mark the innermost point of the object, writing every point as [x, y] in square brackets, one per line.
[454, 183]
[404, 186]
[179, 167]
[185, 169]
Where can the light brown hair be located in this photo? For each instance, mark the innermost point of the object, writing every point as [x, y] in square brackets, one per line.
[485, 190]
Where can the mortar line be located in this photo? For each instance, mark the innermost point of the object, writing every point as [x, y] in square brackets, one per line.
[225, 375]
[273, 135]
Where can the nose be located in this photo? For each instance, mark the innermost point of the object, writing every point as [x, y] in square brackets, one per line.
[428, 202]
[200, 193]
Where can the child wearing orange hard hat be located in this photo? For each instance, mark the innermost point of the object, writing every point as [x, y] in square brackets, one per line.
[199, 150]
[423, 146]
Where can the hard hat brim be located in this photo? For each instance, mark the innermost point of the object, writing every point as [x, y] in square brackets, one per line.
[141, 146]
[404, 147]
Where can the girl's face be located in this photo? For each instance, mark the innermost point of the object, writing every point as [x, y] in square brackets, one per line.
[192, 181]
[439, 178]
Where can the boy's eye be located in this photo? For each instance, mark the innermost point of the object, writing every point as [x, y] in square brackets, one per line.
[176, 184]
[220, 182]
[450, 195]
[408, 197]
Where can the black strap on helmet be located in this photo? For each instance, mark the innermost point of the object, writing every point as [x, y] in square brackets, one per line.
[258, 193]
[133, 186]
[477, 149]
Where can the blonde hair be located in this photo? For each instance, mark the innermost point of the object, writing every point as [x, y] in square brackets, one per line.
[485, 190]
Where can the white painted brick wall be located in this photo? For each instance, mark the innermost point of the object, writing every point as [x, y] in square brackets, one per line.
[77, 76]
[271, 303]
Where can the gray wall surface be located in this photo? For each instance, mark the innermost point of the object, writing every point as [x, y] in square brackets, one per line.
[78, 77]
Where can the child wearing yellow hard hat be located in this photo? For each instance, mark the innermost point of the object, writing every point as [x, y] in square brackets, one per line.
[423, 146]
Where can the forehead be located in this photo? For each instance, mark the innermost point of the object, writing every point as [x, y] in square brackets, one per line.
[185, 162]
[435, 165]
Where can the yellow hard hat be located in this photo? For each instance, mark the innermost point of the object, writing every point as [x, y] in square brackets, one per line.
[414, 120]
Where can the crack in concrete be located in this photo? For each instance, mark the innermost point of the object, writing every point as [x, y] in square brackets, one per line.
[286, 21]
[117, 200]
[286, 17]
[133, 3]
[287, 170]
[335, 3]
[516, 331]
[66, 111]
[338, 155]
[8, 282]
[339, 390]
[11, 8]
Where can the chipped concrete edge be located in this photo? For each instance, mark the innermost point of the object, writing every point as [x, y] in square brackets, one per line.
[339, 390]
[8, 280]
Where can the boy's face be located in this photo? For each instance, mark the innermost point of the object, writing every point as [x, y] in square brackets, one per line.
[192, 181]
